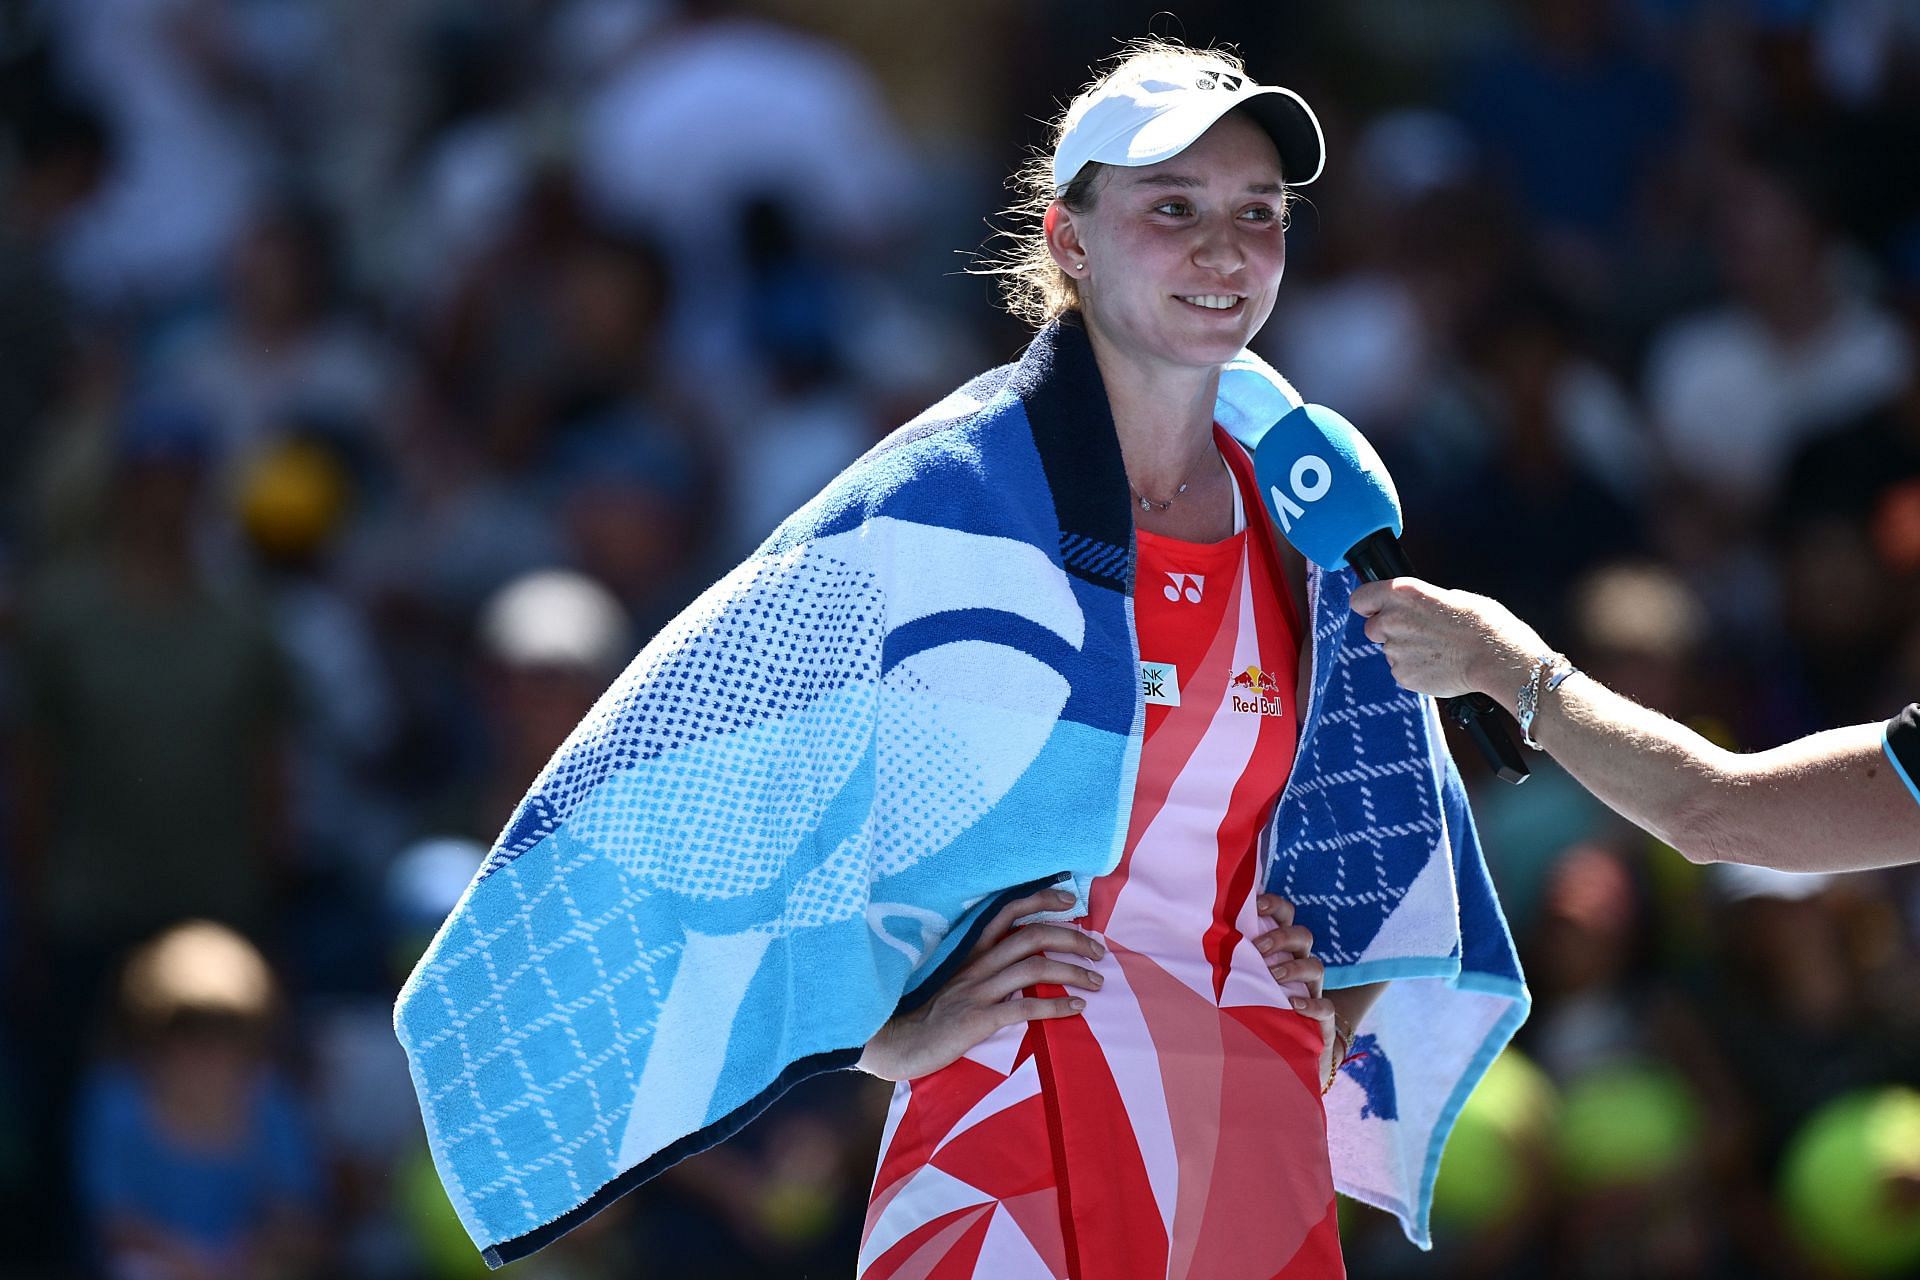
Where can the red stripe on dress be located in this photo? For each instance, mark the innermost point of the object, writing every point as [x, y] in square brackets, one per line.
[962, 1257]
[1087, 1122]
[933, 1242]
[1277, 641]
[977, 1154]
[930, 1116]
[1056, 1139]
[1265, 536]
[1171, 756]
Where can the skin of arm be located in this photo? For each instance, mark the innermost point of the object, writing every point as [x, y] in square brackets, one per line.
[1827, 802]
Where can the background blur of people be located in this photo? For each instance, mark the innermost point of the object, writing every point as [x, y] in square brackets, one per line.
[375, 378]
[193, 1158]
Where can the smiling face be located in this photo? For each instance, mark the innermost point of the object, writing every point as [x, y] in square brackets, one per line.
[1178, 262]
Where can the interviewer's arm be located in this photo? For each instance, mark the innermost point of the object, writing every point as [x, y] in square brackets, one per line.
[1828, 802]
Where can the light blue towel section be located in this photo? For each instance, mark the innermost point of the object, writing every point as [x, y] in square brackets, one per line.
[917, 698]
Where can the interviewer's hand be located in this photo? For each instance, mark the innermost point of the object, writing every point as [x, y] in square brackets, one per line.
[1447, 643]
[985, 995]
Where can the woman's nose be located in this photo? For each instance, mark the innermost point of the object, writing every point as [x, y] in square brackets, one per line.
[1217, 251]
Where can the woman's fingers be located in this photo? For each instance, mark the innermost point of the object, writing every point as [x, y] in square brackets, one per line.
[1275, 908]
[1033, 971]
[1321, 1011]
[1288, 947]
[1303, 969]
[1035, 1008]
[1294, 939]
[1002, 923]
[1032, 939]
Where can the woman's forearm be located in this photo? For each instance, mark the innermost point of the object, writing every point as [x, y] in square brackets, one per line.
[1821, 803]
[1827, 802]
[1653, 771]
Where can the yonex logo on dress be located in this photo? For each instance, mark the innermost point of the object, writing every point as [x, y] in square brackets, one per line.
[1187, 586]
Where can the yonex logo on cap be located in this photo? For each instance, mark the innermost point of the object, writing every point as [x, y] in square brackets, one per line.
[1219, 80]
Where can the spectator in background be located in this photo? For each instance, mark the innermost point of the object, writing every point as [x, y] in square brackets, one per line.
[1797, 964]
[739, 110]
[1609, 1028]
[294, 498]
[548, 393]
[194, 1159]
[782, 1198]
[1639, 630]
[62, 150]
[630, 498]
[147, 769]
[1799, 348]
[1847, 536]
[363, 1108]
[190, 153]
[1591, 960]
[568, 333]
[810, 423]
[280, 345]
[1370, 335]
[1865, 472]
[1796, 970]
[1553, 442]
[156, 703]
[551, 641]
[1574, 120]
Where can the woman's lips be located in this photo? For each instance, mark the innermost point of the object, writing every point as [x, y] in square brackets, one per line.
[1225, 303]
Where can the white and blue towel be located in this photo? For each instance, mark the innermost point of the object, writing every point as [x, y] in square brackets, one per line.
[917, 700]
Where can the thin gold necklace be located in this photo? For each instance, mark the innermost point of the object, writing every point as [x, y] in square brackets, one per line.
[1148, 504]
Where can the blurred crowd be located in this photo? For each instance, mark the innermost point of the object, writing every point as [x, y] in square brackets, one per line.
[376, 376]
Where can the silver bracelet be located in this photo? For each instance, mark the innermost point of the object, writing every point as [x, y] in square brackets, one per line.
[1554, 668]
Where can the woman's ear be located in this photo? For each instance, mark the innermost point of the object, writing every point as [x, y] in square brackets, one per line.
[1063, 240]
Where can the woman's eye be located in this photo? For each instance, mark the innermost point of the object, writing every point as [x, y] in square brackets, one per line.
[1259, 213]
[1172, 208]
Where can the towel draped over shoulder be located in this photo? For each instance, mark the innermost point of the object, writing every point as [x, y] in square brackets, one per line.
[918, 699]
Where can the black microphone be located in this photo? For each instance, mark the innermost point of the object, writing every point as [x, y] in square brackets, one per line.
[1327, 489]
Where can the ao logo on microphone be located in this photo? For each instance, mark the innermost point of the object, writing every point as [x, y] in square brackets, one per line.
[1310, 479]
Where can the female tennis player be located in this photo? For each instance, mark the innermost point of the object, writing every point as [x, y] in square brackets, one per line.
[1140, 1088]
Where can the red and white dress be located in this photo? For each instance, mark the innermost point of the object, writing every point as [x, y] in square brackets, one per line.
[1175, 1129]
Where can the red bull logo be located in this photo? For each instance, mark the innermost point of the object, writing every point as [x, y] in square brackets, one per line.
[1262, 695]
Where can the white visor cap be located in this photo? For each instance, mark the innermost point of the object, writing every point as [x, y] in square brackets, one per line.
[1144, 118]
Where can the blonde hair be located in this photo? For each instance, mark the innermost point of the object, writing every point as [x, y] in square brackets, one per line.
[197, 973]
[1033, 288]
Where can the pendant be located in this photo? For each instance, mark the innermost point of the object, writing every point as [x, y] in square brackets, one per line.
[1145, 505]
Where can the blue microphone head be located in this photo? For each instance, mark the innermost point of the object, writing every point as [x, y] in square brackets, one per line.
[1323, 484]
